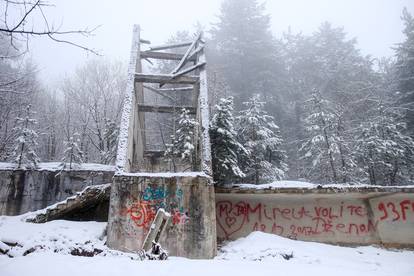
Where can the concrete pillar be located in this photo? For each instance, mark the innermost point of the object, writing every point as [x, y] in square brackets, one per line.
[189, 198]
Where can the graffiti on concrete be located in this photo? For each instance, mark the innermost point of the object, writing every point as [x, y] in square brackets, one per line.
[396, 211]
[298, 221]
[142, 211]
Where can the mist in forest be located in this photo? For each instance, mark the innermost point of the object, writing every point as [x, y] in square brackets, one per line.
[320, 91]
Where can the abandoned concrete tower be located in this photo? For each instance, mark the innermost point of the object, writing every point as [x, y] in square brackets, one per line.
[146, 177]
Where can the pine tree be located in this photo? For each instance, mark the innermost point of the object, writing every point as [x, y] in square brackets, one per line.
[225, 149]
[405, 69]
[182, 147]
[326, 146]
[245, 51]
[384, 152]
[72, 153]
[260, 137]
[25, 145]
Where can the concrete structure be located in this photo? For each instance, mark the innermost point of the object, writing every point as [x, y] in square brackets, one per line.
[332, 214]
[143, 182]
[22, 191]
[352, 215]
[188, 198]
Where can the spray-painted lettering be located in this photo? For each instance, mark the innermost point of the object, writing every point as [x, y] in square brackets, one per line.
[396, 210]
[142, 211]
[294, 222]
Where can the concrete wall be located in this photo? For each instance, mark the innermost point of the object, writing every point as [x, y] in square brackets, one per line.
[190, 200]
[29, 190]
[344, 216]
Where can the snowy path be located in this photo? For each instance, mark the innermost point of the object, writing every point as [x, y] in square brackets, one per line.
[258, 254]
[45, 264]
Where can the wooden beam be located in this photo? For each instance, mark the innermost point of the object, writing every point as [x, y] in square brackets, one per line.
[164, 108]
[176, 89]
[154, 153]
[157, 228]
[188, 70]
[184, 60]
[170, 46]
[163, 55]
[165, 78]
[149, 61]
[194, 53]
[155, 90]
[144, 41]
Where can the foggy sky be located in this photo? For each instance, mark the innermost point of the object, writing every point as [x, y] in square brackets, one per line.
[375, 23]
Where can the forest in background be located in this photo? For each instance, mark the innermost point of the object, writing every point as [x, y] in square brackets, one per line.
[327, 113]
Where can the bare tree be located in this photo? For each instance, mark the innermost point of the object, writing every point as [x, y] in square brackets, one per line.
[93, 102]
[18, 87]
[16, 24]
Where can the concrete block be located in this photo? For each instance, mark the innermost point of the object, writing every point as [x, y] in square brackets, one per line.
[190, 201]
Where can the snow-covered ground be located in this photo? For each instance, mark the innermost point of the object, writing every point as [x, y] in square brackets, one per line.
[57, 166]
[54, 243]
[307, 185]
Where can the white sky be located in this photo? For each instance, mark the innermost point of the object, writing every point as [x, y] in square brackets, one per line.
[375, 23]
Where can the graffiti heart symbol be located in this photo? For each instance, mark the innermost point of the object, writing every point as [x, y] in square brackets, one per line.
[230, 221]
[231, 217]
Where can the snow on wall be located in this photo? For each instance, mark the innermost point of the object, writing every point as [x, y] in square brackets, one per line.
[164, 174]
[57, 166]
[291, 184]
[127, 112]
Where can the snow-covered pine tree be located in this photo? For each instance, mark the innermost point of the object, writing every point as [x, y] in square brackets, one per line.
[182, 146]
[326, 146]
[260, 137]
[225, 149]
[244, 50]
[385, 153]
[72, 153]
[25, 143]
[110, 136]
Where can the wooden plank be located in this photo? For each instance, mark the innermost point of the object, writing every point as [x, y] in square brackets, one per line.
[144, 41]
[154, 153]
[164, 78]
[176, 89]
[157, 229]
[188, 70]
[194, 53]
[165, 108]
[163, 55]
[155, 90]
[170, 46]
[187, 53]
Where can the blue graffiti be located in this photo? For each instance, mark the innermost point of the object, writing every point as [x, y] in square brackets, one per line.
[157, 195]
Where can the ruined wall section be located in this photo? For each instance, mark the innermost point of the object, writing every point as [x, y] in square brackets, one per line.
[189, 198]
[340, 216]
[22, 191]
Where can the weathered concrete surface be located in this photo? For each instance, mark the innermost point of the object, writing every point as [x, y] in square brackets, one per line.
[29, 190]
[341, 216]
[190, 200]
